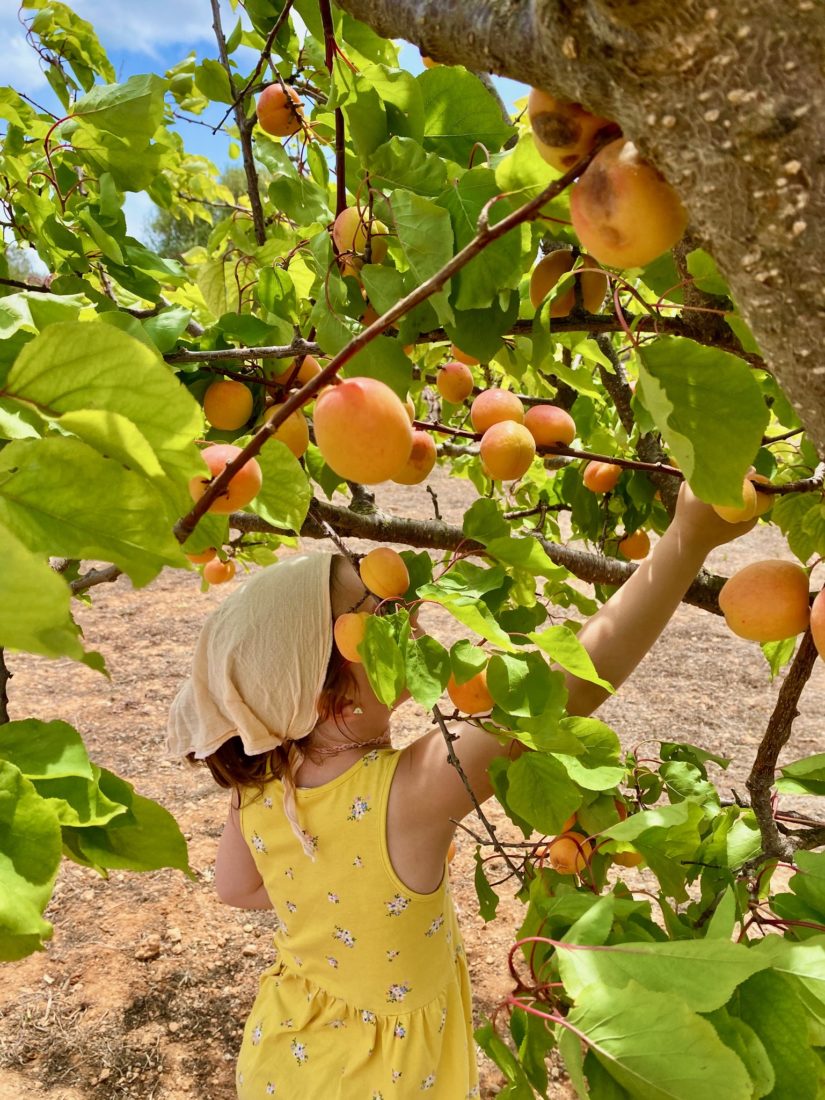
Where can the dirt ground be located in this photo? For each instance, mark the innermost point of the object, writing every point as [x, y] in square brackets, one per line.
[143, 991]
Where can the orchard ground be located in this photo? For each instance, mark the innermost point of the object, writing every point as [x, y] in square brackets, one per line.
[144, 989]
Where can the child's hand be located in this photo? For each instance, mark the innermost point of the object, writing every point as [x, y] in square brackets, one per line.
[700, 524]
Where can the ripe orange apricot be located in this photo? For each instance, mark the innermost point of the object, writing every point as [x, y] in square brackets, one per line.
[363, 431]
[570, 853]
[550, 269]
[280, 110]
[601, 477]
[471, 697]
[385, 573]
[507, 450]
[492, 406]
[421, 461]
[764, 501]
[409, 406]
[818, 623]
[349, 233]
[203, 557]
[455, 382]
[548, 425]
[463, 357]
[428, 62]
[628, 859]
[218, 572]
[635, 546]
[294, 431]
[308, 369]
[243, 487]
[227, 405]
[741, 514]
[563, 132]
[451, 852]
[348, 631]
[625, 213]
[766, 601]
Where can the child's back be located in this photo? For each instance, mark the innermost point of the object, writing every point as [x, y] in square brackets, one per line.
[370, 995]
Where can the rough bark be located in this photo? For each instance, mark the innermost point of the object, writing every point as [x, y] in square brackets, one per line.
[728, 100]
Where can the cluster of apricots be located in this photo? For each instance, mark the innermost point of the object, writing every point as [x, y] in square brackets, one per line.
[623, 210]
[383, 573]
[570, 852]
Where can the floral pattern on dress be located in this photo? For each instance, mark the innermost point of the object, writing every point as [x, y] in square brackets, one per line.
[396, 1075]
[428, 1082]
[358, 862]
[258, 843]
[397, 992]
[333, 962]
[291, 906]
[333, 898]
[289, 873]
[436, 924]
[370, 758]
[270, 1089]
[268, 802]
[299, 1052]
[367, 1016]
[311, 840]
[344, 936]
[399, 1031]
[392, 955]
[257, 1034]
[359, 809]
[397, 905]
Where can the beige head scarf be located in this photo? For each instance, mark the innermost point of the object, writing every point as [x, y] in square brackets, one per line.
[259, 666]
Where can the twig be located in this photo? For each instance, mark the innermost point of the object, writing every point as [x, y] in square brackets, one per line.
[244, 130]
[5, 676]
[94, 577]
[331, 48]
[761, 778]
[265, 53]
[274, 351]
[449, 738]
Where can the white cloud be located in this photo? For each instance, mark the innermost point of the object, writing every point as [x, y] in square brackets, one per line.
[21, 65]
[153, 25]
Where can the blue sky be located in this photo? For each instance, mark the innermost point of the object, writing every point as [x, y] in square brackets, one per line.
[148, 36]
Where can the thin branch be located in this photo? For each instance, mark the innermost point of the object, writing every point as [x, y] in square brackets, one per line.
[95, 577]
[262, 60]
[298, 347]
[5, 676]
[244, 130]
[761, 778]
[330, 49]
[25, 286]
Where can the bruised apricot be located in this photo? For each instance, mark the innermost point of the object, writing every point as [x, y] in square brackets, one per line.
[635, 546]
[243, 486]
[471, 697]
[766, 601]
[569, 853]
[601, 477]
[549, 425]
[362, 430]
[227, 405]
[564, 133]
[507, 449]
[624, 211]
[218, 572]
[818, 623]
[348, 631]
[455, 382]
[494, 405]
[422, 458]
[280, 110]
[294, 431]
[384, 573]
[552, 267]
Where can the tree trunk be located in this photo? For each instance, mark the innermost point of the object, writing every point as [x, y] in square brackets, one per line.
[727, 100]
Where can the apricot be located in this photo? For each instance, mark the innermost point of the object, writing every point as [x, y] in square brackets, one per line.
[409, 406]
[601, 477]
[764, 501]
[471, 697]
[746, 511]
[350, 235]
[624, 212]
[463, 357]
[363, 431]
[635, 546]
[243, 486]
[428, 62]
[455, 382]
[563, 132]
[294, 431]
[280, 110]
[451, 852]
[203, 557]
[348, 631]
[628, 859]
[569, 853]
[507, 450]
[227, 405]
[384, 572]
[818, 623]
[766, 601]
[492, 406]
[308, 369]
[549, 425]
[550, 269]
[421, 461]
[369, 316]
[218, 572]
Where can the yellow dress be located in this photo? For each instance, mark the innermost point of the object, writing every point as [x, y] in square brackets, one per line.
[369, 998]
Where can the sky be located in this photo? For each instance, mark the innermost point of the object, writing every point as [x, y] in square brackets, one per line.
[149, 36]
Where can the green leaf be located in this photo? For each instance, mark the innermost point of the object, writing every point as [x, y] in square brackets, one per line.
[285, 494]
[401, 164]
[426, 237]
[526, 554]
[655, 1047]
[485, 522]
[800, 518]
[29, 861]
[563, 648]
[694, 394]
[458, 113]
[427, 669]
[383, 657]
[806, 776]
[488, 899]
[744, 1042]
[132, 110]
[78, 801]
[45, 750]
[470, 611]
[35, 606]
[522, 684]
[598, 767]
[706, 276]
[804, 962]
[212, 80]
[540, 791]
[400, 94]
[45, 501]
[807, 884]
[666, 836]
[702, 973]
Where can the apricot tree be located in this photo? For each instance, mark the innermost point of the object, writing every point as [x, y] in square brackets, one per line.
[396, 235]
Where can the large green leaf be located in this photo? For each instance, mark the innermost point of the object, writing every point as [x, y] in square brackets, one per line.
[383, 656]
[667, 836]
[744, 1041]
[427, 667]
[540, 791]
[426, 236]
[656, 1047]
[61, 497]
[806, 776]
[285, 494]
[29, 861]
[459, 112]
[45, 750]
[132, 110]
[708, 406]
[35, 604]
[563, 647]
[804, 962]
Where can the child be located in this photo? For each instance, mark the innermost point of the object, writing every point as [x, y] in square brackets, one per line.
[347, 838]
